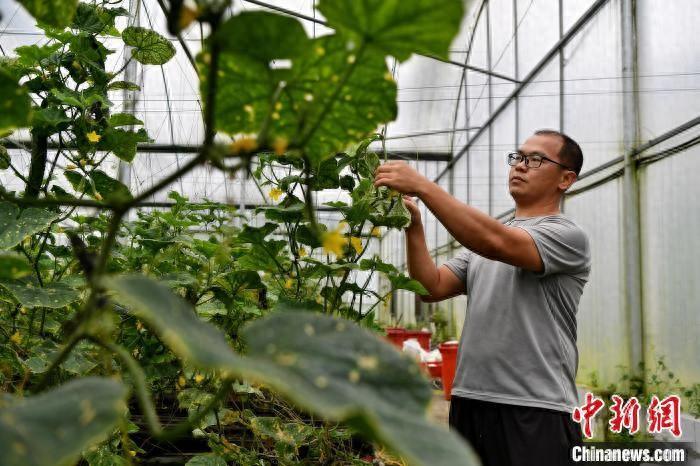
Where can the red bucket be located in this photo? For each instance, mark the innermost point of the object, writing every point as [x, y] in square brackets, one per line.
[396, 335]
[423, 337]
[449, 362]
[435, 369]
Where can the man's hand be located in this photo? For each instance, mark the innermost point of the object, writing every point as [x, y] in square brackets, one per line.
[413, 210]
[401, 177]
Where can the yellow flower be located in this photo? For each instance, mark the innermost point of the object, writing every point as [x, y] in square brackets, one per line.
[289, 283]
[275, 194]
[181, 382]
[334, 242]
[93, 137]
[70, 166]
[83, 162]
[302, 252]
[356, 244]
[376, 232]
[132, 452]
[244, 144]
[280, 145]
[16, 338]
[198, 378]
[98, 196]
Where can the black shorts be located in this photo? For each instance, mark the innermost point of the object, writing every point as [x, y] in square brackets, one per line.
[510, 435]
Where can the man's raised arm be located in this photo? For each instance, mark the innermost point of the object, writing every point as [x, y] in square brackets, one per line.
[441, 283]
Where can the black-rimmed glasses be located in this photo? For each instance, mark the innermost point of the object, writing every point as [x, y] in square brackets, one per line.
[531, 160]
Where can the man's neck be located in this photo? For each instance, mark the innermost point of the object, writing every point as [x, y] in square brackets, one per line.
[538, 210]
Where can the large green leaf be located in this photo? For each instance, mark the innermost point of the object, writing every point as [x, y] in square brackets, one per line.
[398, 27]
[149, 47]
[331, 96]
[52, 428]
[15, 108]
[13, 266]
[29, 293]
[344, 373]
[14, 226]
[58, 13]
[192, 339]
[329, 366]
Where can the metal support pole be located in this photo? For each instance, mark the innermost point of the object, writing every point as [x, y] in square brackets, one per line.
[630, 189]
[129, 96]
[489, 83]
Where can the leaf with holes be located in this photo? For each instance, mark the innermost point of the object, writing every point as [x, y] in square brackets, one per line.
[53, 428]
[398, 27]
[149, 47]
[29, 293]
[15, 226]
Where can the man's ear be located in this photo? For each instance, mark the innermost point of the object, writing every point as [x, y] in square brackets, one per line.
[567, 180]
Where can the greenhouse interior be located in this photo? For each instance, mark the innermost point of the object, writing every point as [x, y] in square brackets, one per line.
[213, 213]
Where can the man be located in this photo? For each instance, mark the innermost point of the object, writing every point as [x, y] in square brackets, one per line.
[514, 387]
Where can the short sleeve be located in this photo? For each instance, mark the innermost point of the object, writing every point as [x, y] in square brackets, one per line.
[563, 247]
[459, 264]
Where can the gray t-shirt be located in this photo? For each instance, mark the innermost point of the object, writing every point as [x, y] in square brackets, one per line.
[518, 345]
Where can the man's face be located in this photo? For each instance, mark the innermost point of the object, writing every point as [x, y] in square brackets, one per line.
[527, 184]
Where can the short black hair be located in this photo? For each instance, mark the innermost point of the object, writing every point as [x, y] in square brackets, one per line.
[570, 152]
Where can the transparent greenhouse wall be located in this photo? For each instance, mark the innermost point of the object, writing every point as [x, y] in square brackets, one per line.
[580, 90]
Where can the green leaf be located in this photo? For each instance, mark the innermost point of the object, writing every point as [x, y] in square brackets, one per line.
[29, 293]
[49, 118]
[13, 266]
[103, 184]
[316, 105]
[52, 428]
[398, 27]
[15, 226]
[95, 19]
[58, 13]
[307, 236]
[290, 210]
[5, 159]
[124, 119]
[68, 97]
[402, 282]
[206, 460]
[342, 372]
[123, 85]
[289, 433]
[174, 319]
[377, 264]
[123, 143]
[149, 47]
[329, 366]
[15, 108]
